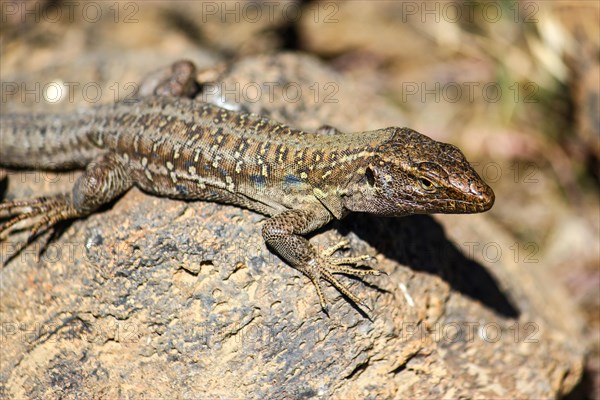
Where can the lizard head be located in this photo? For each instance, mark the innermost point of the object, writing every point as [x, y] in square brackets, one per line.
[411, 173]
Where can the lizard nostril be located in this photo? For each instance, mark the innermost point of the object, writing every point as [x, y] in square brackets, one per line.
[480, 189]
[476, 189]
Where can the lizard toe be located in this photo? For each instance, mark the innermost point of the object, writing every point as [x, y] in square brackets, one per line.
[49, 210]
[353, 270]
[328, 276]
[343, 244]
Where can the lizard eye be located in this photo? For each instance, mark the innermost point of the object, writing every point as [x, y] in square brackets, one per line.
[427, 184]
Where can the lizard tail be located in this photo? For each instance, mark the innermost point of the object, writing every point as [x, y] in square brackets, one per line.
[46, 141]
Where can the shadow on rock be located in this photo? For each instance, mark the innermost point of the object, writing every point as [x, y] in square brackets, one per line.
[420, 243]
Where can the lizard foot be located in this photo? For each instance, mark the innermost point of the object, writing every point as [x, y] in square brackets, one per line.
[50, 210]
[325, 266]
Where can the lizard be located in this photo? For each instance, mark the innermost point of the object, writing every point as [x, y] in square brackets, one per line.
[169, 144]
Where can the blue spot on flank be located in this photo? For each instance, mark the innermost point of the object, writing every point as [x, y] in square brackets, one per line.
[258, 180]
[182, 190]
[292, 180]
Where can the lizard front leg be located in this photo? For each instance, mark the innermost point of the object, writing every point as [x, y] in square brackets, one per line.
[101, 182]
[282, 232]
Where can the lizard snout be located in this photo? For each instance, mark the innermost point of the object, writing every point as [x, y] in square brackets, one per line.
[484, 194]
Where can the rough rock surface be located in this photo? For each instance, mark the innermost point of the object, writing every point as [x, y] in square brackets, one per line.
[161, 298]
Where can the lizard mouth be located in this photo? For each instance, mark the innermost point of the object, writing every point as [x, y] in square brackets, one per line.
[477, 204]
[479, 198]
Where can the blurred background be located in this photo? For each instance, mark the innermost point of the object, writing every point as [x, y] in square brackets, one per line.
[514, 84]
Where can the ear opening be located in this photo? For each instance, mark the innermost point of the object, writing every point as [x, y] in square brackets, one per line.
[370, 176]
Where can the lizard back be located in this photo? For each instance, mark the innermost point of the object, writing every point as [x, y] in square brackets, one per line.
[182, 148]
[186, 149]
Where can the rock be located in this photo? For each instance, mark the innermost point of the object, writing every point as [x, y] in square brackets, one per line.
[163, 298]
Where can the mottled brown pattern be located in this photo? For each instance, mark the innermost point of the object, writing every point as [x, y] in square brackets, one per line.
[181, 148]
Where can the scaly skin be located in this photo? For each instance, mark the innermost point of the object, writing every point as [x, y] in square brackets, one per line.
[176, 147]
